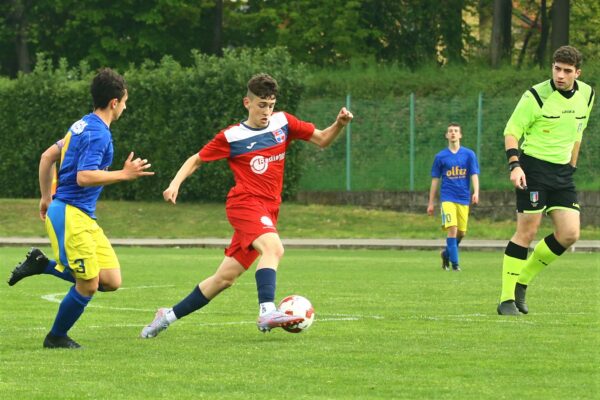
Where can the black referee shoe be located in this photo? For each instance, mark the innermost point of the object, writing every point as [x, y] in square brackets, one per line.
[35, 263]
[507, 308]
[60, 342]
[520, 290]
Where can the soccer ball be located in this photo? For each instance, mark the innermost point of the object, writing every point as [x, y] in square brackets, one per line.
[298, 306]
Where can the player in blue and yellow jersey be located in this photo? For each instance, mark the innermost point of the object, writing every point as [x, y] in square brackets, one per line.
[549, 120]
[457, 167]
[82, 252]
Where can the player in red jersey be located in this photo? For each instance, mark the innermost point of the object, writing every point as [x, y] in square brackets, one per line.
[255, 150]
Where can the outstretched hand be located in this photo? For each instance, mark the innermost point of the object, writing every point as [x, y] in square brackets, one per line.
[134, 169]
[344, 117]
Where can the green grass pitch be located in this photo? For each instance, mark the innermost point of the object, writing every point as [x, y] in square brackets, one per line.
[389, 325]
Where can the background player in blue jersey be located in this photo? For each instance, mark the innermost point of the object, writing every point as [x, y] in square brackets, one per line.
[83, 253]
[457, 167]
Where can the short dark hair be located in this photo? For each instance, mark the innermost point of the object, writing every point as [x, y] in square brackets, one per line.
[107, 85]
[454, 124]
[568, 55]
[263, 86]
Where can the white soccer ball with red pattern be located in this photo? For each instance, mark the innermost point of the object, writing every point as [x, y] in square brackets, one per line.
[300, 307]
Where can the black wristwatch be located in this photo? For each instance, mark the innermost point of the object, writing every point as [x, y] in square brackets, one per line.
[513, 165]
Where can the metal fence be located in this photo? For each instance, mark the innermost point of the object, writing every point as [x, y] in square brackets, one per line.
[391, 143]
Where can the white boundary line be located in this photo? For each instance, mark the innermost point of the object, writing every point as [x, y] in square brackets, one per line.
[331, 317]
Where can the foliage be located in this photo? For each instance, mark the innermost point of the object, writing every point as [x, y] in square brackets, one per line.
[127, 32]
[171, 113]
[335, 32]
[585, 16]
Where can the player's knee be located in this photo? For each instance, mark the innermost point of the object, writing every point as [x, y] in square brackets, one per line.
[274, 250]
[527, 235]
[111, 286]
[224, 282]
[88, 289]
[110, 282]
[567, 238]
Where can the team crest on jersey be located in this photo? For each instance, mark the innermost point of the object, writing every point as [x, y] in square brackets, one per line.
[279, 135]
[78, 127]
[534, 197]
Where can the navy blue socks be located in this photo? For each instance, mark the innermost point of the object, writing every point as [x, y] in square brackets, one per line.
[265, 284]
[194, 301]
[69, 311]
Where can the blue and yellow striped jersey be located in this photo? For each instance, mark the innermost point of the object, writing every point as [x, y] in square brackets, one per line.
[87, 147]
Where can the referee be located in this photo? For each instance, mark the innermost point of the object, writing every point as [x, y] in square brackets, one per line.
[549, 121]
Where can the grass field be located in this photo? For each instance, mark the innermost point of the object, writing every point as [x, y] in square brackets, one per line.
[390, 325]
[121, 219]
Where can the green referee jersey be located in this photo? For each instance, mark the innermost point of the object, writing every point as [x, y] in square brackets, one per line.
[550, 123]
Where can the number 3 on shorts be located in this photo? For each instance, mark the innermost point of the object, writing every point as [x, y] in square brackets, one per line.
[81, 266]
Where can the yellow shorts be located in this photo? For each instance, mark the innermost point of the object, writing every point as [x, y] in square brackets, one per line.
[78, 242]
[454, 214]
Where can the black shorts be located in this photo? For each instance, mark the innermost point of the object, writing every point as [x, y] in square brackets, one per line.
[549, 186]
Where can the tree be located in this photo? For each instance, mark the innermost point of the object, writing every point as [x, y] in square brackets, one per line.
[451, 30]
[540, 54]
[560, 24]
[586, 15]
[217, 43]
[501, 43]
[14, 32]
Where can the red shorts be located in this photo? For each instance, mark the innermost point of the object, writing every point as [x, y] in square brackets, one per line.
[250, 218]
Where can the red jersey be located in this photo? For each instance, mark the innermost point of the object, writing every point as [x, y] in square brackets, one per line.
[257, 155]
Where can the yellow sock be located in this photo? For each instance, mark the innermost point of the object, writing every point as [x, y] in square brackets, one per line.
[545, 252]
[514, 260]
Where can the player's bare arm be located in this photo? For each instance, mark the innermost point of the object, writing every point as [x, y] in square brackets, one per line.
[132, 169]
[432, 193]
[475, 183]
[325, 137]
[575, 154]
[188, 168]
[46, 173]
[517, 175]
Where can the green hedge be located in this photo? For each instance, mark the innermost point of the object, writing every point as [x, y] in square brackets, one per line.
[171, 113]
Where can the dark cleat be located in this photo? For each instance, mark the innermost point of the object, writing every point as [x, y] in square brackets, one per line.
[456, 268]
[508, 308]
[520, 290]
[445, 261]
[60, 342]
[35, 263]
